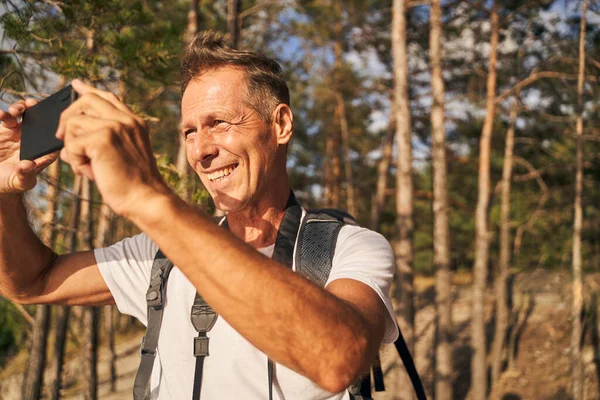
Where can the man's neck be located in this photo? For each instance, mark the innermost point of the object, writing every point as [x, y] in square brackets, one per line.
[258, 225]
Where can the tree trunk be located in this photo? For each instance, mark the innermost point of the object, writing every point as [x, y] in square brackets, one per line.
[62, 326]
[441, 234]
[333, 169]
[49, 218]
[350, 197]
[33, 380]
[341, 112]
[404, 187]
[478, 338]
[193, 25]
[62, 319]
[109, 327]
[102, 239]
[90, 314]
[502, 310]
[577, 366]
[233, 26]
[181, 163]
[383, 169]
[91, 319]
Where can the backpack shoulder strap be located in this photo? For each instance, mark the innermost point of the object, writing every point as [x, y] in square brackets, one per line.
[314, 256]
[409, 366]
[203, 318]
[317, 240]
[155, 296]
[316, 245]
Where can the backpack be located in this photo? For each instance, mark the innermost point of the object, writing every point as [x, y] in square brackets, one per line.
[316, 241]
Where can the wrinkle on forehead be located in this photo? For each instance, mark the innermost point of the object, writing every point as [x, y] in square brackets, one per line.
[222, 93]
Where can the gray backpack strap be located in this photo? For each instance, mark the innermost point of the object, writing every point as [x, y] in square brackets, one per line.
[203, 319]
[155, 298]
[314, 257]
[316, 246]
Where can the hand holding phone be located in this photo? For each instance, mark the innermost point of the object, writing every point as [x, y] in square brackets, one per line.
[40, 123]
[17, 176]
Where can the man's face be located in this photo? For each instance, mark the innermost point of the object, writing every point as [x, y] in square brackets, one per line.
[230, 147]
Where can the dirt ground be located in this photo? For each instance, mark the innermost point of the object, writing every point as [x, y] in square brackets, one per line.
[540, 370]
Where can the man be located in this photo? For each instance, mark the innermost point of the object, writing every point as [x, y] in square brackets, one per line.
[237, 124]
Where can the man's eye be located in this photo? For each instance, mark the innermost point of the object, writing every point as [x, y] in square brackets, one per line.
[187, 132]
[218, 122]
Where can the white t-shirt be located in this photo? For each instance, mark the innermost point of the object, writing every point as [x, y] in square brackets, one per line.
[234, 369]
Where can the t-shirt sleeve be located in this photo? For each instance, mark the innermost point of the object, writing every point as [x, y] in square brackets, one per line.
[125, 267]
[367, 257]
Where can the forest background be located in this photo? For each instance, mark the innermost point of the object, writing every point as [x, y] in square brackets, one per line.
[464, 131]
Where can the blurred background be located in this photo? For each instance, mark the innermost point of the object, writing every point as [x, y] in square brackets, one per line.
[466, 132]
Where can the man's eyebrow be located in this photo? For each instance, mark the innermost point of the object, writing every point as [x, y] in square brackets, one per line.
[185, 124]
[209, 116]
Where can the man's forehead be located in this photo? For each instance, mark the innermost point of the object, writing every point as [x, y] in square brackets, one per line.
[215, 86]
[224, 77]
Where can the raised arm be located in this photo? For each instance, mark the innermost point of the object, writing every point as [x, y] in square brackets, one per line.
[328, 335]
[30, 272]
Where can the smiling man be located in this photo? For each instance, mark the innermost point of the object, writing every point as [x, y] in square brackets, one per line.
[237, 124]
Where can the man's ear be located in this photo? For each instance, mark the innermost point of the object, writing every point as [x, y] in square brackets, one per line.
[283, 123]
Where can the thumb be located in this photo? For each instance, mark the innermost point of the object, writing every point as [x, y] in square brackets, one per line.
[25, 176]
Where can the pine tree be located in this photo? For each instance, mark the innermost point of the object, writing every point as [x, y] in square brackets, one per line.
[577, 378]
[441, 234]
[404, 187]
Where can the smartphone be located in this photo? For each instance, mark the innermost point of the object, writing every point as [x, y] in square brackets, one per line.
[40, 123]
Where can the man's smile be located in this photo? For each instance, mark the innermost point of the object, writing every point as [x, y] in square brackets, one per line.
[220, 174]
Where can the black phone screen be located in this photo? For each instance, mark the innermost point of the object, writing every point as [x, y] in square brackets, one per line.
[40, 123]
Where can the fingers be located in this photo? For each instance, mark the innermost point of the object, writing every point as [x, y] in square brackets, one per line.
[75, 154]
[23, 175]
[46, 160]
[80, 144]
[82, 124]
[8, 120]
[10, 117]
[31, 102]
[96, 106]
[83, 88]
[16, 110]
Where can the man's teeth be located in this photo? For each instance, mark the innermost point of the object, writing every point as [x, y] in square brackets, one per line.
[221, 174]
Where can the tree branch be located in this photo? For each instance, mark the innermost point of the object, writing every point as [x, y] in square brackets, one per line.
[257, 8]
[537, 76]
[23, 312]
[28, 52]
[593, 138]
[22, 95]
[538, 211]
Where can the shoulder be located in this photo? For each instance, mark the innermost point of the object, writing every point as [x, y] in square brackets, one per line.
[138, 248]
[362, 252]
[353, 238]
[126, 267]
[366, 256]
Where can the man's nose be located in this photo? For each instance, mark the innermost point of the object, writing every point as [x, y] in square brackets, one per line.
[205, 149]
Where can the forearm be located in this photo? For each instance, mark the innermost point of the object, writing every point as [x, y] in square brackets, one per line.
[287, 317]
[23, 256]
